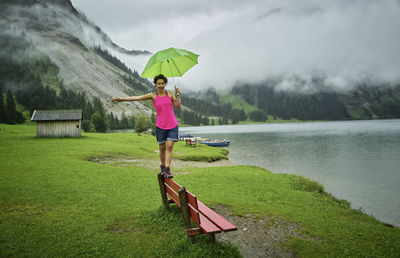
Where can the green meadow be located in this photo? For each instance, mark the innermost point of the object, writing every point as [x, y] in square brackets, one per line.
[54, 201]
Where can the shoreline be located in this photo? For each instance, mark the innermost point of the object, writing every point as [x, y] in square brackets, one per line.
[291, 121]
[344, 146]
[182, 167]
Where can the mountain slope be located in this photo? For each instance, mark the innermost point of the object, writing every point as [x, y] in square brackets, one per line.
[56, 30]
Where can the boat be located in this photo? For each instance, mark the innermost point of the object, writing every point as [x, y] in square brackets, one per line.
[216, 143]
[184, 136]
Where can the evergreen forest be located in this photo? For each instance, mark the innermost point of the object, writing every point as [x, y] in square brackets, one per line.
[32, 83]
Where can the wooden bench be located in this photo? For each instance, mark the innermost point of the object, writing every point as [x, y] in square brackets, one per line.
[208, 221]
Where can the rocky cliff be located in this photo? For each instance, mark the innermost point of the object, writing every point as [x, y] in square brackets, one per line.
[57, 30]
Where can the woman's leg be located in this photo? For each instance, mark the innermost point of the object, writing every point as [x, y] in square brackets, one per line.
[168, 153]
[162, 153]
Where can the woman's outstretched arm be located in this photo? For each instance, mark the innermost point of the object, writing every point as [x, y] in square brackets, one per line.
[148, 96]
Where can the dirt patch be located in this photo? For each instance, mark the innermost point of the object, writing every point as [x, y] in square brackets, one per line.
[178, 166]
[123, 226]
[258, 236]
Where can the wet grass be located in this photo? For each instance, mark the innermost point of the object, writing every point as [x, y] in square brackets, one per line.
[340, 231]
[55, 202]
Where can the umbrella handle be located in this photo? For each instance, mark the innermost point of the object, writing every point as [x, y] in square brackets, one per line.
[173, 79]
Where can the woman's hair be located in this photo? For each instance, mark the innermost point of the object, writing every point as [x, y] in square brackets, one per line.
[160, 76]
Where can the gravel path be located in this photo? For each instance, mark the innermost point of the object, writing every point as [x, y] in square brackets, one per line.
[153, 164]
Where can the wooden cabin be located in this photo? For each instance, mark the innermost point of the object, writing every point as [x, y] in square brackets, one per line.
[57, 123]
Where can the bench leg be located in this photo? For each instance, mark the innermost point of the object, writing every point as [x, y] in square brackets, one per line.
[164, 197]
[184, 207]
[185, 211]
[212, 238]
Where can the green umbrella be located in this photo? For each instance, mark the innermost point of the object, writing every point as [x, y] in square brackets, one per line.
[171, 62]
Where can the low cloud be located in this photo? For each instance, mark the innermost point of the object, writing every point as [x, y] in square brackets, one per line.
[342, 42]
[46, 20]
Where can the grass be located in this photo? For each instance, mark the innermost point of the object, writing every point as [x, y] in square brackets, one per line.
[54, 202]
[200, 152]
[343, 232]
[238, 102]
[358, 112]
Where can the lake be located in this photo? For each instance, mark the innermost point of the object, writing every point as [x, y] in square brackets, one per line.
[358, 161]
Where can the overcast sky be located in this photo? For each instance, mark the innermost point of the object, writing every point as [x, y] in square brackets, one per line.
[346, 41]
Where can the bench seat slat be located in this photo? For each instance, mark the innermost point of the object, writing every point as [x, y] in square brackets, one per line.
[171, 183]
[207, 226]
[219, 221]
[173, 195]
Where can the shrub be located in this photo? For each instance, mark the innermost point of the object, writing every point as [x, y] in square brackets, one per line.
[143, 123]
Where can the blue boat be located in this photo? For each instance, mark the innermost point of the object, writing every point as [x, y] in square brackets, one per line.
[216, 143]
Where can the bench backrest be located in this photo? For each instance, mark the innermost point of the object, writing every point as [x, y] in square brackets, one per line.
[172, 188]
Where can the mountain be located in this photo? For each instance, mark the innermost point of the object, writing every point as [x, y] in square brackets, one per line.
[51, 40]
[49, 44]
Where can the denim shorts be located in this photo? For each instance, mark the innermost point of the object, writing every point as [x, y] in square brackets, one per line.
[164, 135]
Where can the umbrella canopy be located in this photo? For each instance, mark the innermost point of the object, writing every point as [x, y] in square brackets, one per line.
[171, 62]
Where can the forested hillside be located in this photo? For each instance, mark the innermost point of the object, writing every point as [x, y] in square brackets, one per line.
[326, 104]
[262, 102]
[36, 85]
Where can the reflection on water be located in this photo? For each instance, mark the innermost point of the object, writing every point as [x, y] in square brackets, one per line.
[354, 160]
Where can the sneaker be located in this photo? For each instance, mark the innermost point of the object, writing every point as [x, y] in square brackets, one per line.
[168, 172]
[162, 170]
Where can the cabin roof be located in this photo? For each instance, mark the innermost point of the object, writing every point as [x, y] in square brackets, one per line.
[56, 115]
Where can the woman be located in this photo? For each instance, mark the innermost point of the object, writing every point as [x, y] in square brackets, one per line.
[166, 123]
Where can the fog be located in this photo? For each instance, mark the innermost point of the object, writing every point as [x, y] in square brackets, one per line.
[31, 22]
[343, 42]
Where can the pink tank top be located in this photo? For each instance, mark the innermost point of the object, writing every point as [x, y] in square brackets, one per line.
[165, 113]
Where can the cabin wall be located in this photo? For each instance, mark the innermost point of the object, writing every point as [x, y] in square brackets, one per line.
[58, 128]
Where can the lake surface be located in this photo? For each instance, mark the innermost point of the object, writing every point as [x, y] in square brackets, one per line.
[358, 161]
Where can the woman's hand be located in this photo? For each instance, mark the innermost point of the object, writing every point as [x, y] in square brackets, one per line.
[177, 91]
[177, 100]
[116, 99]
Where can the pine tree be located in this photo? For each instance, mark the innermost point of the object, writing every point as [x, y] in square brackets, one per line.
[2, 107]
[99, 122]
[124, 122]
[99, 116]
[131, 122]
[112, 121]
[11, 109]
